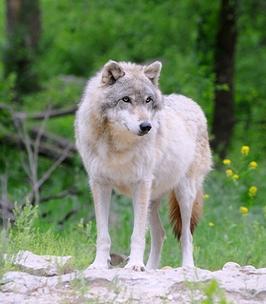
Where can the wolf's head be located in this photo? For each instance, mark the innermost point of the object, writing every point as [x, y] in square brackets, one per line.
[131, 97]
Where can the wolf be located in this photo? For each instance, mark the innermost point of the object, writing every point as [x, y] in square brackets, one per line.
[143, 144]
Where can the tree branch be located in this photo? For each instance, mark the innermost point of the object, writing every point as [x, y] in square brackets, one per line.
[52, 113]
[59, 195]
[57, 141]
[45, 149]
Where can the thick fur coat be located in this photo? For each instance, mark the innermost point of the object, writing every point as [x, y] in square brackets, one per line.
[143, 144]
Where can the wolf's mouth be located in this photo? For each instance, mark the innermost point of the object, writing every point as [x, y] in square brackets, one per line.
[142, 133]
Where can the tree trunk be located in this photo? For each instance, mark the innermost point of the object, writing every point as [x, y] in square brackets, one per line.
[224, 117]
[23, 28]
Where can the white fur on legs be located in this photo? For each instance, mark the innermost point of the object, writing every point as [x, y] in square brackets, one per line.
[102, 197]
[141, 196]
[157, 235]
[185, 194]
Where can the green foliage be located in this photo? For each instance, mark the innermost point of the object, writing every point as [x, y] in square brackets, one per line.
[241, 175]
[28, 233]
[137, 31]
[24, 227]
[213, 294]
[6, 88]
[210, 290]
[58, 92]
[113, 29]
[6, 96]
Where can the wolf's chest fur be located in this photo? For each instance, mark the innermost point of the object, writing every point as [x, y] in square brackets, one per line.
[162, 158]
[122, 167]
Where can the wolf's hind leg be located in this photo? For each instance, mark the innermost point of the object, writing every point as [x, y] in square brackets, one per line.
[185, 195]
[102, 197]
[157, 235]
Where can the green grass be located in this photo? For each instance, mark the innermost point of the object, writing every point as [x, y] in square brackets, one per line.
[28, 233]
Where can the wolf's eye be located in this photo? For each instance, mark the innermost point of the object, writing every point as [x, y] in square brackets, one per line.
[149, 99]
[126, 99]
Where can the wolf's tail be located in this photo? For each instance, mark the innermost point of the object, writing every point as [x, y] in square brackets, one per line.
[175, 215]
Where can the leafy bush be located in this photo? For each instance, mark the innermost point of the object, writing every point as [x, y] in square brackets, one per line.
[28, 234]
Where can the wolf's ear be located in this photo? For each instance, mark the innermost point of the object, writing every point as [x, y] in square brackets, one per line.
[111, 72]
[153, 71]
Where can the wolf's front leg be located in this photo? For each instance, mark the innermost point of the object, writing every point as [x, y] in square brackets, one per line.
[102, 197]
[141, 197]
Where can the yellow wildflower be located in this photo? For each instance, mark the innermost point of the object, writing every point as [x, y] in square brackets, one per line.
[229, 172]
[226, 161]
[252, 191]
[206, 196]
[235, 177]
[211, 224]
[243, 210]
[253, 165]
[245, 150]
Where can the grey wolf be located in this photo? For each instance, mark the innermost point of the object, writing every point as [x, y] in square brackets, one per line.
[144, 144]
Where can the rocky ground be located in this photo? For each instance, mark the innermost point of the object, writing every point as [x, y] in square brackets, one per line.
[47, 279]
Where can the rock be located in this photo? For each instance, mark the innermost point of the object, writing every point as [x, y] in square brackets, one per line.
[118, 260]
[45, 265]
[245, 282]
[230, 265]
[167, 267]
[241, 285]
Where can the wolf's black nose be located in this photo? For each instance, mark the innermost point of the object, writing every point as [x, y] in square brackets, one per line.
[145, 127]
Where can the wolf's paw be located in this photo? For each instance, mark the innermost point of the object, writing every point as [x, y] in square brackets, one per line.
[135, 266]
[188, 267]
[100, 266]
[188, 264]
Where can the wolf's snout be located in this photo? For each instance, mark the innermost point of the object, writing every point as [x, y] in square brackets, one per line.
[144, 127]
